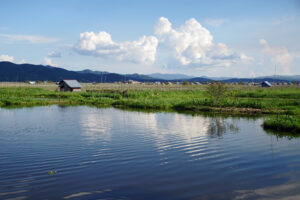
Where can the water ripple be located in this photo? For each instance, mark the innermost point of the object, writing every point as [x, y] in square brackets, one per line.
[114, 154]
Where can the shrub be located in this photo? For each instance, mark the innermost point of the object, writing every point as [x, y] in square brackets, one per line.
[186, 83]
[217, 91]
[283, 123]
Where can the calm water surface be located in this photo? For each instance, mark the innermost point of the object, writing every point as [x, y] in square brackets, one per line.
[116, 154]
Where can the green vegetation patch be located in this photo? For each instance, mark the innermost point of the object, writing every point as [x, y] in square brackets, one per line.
[216, 97]
[283, 123]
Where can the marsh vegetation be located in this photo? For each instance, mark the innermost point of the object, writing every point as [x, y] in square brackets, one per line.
[234, 99]
[283, 123]
[240, 99]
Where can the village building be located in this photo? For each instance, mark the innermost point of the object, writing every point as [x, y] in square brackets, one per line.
[32, 82]
[266, 84]
[132, 82]
[69, 85]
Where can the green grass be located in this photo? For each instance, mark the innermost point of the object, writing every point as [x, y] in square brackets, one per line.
[275, 92]
[283, 123]
[239, 99]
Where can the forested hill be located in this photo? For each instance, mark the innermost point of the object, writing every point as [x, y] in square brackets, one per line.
[11, 72]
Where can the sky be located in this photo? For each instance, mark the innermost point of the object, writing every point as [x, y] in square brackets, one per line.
[214, 38]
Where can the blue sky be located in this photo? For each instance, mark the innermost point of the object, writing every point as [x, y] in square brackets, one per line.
[212, 38]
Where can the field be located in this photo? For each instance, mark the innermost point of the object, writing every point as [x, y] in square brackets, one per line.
[237, 99]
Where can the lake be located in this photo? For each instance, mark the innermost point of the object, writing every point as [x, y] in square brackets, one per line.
[82, 152]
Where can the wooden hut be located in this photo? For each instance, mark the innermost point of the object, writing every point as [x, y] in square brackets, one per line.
[69, 85]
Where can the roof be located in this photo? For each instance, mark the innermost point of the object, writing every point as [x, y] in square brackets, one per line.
[72, 83]
[267, 83]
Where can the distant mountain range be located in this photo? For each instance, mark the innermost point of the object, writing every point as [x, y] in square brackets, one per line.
[289, 78]
[12, 72]
[88, 71]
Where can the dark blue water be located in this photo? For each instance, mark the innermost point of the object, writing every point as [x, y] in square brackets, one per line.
[116, 154]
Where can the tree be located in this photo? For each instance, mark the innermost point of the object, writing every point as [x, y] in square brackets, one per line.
[217, 91]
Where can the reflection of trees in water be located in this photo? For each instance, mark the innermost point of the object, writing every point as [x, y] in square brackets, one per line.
[218, 126]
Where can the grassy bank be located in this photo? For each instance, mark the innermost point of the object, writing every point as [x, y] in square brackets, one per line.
[239, 99]
[283, 123]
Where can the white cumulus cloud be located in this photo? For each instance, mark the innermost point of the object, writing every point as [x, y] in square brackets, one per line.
[189, 45]
[48, 61]
[192, 44]
[101, 44]
[279, 55]
[6, 58]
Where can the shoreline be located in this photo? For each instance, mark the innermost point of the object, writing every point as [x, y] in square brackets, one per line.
[237, 101]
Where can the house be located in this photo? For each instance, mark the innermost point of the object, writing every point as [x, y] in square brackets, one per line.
[69, 85]
[266, 84]
[132, 82]
[32, 82]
